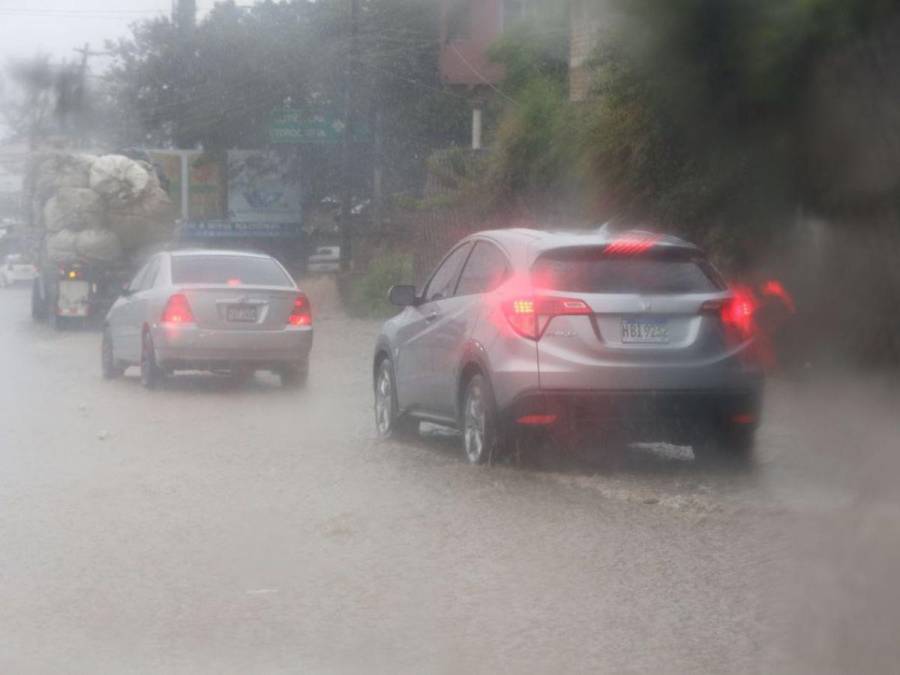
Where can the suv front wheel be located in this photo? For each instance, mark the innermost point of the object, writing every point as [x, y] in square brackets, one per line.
[389, 422]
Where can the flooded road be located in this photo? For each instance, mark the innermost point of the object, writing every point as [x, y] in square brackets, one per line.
[217, 527]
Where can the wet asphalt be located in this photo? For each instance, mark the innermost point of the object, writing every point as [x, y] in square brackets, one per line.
[218, 527]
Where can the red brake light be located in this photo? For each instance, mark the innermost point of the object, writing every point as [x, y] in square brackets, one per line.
[631, 244]
[301, 314]
[737, 313]
[775, 288]
[530, 316]
[178, 310]
[537, 420]
[234, 282]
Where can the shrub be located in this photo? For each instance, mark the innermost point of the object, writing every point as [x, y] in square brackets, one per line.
[367, 292]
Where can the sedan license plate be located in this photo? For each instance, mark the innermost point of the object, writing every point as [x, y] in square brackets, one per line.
[645, 331]
[242, 313]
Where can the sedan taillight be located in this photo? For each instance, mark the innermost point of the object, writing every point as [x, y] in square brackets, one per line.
[529, 316]
[301, 313]
[178, 310]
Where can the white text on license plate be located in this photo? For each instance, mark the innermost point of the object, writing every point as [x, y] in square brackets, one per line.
[247, 314]
[649, 331]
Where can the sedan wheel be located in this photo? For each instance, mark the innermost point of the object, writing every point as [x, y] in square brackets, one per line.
[150, 371]
[110, 367]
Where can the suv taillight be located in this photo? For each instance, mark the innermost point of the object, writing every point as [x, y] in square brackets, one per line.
[178, 310]
[529, 316]
[301, 313]
[737, 314]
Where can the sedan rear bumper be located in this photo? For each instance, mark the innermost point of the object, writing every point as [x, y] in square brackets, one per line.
[190, 347]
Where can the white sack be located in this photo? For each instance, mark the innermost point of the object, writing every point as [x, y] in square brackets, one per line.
[61, 247]
[147, 221]
[74, 209]
[98, 246]
[60, 170]
[119, 179]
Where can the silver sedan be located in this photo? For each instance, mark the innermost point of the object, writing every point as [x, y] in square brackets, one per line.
[209, 310]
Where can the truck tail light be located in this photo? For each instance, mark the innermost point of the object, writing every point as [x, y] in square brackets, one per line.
[301, 312]
[178, 310]
[529, 316]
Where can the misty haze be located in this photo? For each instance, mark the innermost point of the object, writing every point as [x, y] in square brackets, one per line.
[449, 336]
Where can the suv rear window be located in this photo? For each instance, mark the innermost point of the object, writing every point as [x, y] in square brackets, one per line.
[227, 269]
[584, 270]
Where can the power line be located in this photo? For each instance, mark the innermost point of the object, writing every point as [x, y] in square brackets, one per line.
[83, 10]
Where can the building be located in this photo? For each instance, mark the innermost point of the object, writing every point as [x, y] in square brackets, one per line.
[468, 29]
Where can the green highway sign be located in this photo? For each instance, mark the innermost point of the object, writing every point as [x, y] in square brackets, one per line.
[293, 126]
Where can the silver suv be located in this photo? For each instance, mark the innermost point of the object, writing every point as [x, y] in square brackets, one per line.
[580, 334]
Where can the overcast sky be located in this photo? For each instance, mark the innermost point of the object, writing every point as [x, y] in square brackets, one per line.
[56, 27]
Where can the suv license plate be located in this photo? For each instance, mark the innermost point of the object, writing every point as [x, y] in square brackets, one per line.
[645, 331]
[241, 313]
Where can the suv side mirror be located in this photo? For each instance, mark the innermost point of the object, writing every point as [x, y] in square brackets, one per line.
[403, 296]
[125, 291]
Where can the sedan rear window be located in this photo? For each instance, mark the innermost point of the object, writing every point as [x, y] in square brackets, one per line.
[589, 271]
[233, 270]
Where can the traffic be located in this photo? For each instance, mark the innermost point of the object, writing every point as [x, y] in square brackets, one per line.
[438, 337]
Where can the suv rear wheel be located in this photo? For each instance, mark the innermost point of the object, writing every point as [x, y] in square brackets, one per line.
[483, 437]
[725, 441]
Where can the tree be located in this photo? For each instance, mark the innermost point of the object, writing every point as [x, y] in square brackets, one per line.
[239, 63]
[44, 99]
[724, 118]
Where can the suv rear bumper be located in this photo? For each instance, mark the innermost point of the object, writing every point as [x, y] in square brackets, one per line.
[658, 410]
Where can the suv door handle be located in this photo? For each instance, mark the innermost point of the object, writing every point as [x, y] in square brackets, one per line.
[432, 317]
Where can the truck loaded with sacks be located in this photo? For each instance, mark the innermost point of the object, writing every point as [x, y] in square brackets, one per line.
[92, 220]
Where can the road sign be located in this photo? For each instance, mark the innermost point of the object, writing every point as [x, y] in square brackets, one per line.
[289, 125]
[295, 126]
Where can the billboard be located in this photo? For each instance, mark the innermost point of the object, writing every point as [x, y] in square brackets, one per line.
[261, 189]
[207, 186]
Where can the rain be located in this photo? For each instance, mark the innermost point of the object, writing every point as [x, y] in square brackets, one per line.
[449, 336]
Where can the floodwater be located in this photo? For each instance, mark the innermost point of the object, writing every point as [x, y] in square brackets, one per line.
[217, 527]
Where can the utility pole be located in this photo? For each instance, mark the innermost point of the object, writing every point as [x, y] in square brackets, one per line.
[347, 192]
[184, 15]
[378, 170]
[184, 18]
[79, 102]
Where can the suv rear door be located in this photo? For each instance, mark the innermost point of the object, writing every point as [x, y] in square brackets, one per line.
[485, 269]
[644, 324]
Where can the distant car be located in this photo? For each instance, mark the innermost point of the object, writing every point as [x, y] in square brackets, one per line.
[578, 334]
[14, 268]
[325, 259]
[209, 310]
